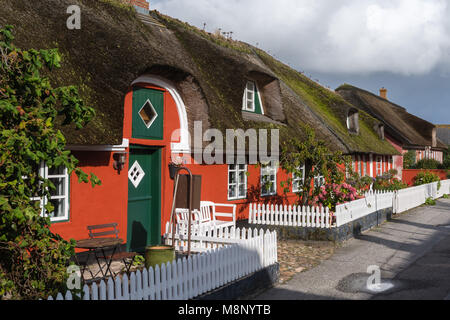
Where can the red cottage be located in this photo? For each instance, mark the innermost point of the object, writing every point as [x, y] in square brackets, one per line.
[403, 130]
[164, 91]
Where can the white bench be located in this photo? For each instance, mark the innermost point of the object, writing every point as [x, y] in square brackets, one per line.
[209, 216]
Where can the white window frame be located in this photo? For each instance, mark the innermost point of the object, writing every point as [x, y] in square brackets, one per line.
[43, 172]
[269, 170]
[296, 180]
[237, 169]
[359, 166]
[319, 181]
[379, 166]
[364, 166]
[246, 99]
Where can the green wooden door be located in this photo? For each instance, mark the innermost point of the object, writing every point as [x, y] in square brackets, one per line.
[148, 114]
[144, 197]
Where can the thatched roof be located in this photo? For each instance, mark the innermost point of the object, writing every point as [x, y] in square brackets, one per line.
[410, 130]
[114, 47]
[443, 133]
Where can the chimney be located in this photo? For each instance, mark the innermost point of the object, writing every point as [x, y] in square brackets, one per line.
[434, 137]
[383, 93]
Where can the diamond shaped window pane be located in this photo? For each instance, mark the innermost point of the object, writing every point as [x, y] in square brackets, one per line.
[136, 174]
[148, 114]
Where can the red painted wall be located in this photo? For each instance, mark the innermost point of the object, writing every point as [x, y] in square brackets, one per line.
[410, 174]
[99, 205]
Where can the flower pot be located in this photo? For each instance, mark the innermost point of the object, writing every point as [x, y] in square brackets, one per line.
[158, 255]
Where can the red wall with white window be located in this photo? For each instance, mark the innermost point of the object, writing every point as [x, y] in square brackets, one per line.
[95, 205]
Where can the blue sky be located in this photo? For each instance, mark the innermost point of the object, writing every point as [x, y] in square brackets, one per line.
[402, 45]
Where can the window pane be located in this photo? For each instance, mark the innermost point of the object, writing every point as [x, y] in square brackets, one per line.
[232, 177]
[59, 205]
[56, 171]
[242, 190]
[232, 191]
[60, 187]
[241, 177]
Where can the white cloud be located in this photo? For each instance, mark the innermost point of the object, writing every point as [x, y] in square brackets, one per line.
[354, 36]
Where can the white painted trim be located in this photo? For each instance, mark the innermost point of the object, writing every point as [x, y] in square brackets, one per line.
[125, 144]
[183, 146]
[371, 165]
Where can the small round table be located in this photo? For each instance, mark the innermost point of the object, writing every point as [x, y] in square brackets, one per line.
[97, 247]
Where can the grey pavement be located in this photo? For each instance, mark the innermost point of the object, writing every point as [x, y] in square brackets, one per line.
[412, 252]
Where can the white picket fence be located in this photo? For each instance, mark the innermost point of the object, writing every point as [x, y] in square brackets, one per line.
[409, 198]
[372, 202]
[209, 237]
[190, 277]
[315, 217]
[444, 189]
[296, 216]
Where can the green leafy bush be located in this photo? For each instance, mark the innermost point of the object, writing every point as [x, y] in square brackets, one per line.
[316, 158]
[409, 159]
[428, 164]
[361, 184]
[388, 182]
[33, 260]
[425, 177]
[430, 202]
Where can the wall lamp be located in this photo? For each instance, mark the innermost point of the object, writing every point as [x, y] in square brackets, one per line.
[120, 159]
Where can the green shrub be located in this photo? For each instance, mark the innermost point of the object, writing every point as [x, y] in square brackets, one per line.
[388, 182]
[409, 159]
[425, 177]
[430, 202]
[33, 260]
[427, 164]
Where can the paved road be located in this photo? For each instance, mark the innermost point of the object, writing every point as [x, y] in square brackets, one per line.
[412, 251]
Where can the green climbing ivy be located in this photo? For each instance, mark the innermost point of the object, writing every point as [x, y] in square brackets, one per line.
[33, 260]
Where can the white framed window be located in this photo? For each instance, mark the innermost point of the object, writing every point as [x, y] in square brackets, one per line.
[379, 165]
[248, 103]
[360, 166]
[237, 181]
[269, 180]
[319, 181]
[298, 180]
[364, 166]
[58, 197]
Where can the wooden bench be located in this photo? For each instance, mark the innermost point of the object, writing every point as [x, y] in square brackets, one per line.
[106, 231]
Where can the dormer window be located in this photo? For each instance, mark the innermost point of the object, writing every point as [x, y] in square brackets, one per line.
[381, 131]
[353, 121]
[249, 97]
[251, 101]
